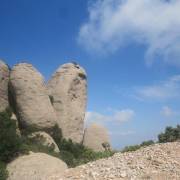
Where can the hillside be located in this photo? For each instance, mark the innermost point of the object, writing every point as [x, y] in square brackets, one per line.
[156, 162]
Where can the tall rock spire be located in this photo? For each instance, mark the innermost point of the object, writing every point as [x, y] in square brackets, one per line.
[32, 103]
[68, 90]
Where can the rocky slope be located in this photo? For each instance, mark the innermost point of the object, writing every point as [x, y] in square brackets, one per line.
[156, 162]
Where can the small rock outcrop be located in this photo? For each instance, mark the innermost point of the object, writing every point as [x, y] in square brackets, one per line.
[68, 91]
[4, 79]
[38, 166]
[44, 139]
[96, 137]
[32, 104]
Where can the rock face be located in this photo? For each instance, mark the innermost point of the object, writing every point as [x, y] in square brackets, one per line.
[68, 90]
[38, 166]
[95, 136]
[4, 79]
[32, 104]
[44, 139]
[156, 162]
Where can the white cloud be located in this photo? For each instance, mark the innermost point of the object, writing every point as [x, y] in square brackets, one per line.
[164, 90]
[115, 23]
[95, 117]
[167, 111]
[117, 116]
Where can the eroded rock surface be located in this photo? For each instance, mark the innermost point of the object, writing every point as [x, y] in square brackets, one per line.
[35, 166]
[32, 104]
[95, 136]
[68, 91]
[4, 79]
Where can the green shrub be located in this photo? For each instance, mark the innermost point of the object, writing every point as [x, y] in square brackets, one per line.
[25, 131]
[75, 148]
[71, 153]
[82, 75]
[170, 135]
[68, 158]
[10, 142]
[147, 143]
[3, 171]
[56, 134]
[136, 147]
[86, 156]
[75, 154]
[89, 155]
[131, 148]
[32, 144]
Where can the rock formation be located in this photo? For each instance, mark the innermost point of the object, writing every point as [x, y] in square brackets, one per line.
[32, 104]
[96, 137]
[67, 89]
[4, 79]
[44, 139]
[38, 166]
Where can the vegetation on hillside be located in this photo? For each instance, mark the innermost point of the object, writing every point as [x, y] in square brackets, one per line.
[74, 154]
[3, 171]
[171, 134]
[10, 142]
[136, 147]
[13, 145]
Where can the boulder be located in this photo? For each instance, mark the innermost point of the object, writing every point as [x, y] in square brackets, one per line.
[44, 139]
[30, 99]
[96, 138]
[39, 166]
[4, 79]
[68, 91]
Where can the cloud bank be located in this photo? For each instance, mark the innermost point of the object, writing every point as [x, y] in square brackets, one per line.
[113, 24]
[117, 116]
[165, 90]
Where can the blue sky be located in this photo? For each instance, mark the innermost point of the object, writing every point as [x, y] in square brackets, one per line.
[130, 50]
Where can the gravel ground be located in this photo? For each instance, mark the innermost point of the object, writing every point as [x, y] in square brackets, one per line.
[156, 162]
